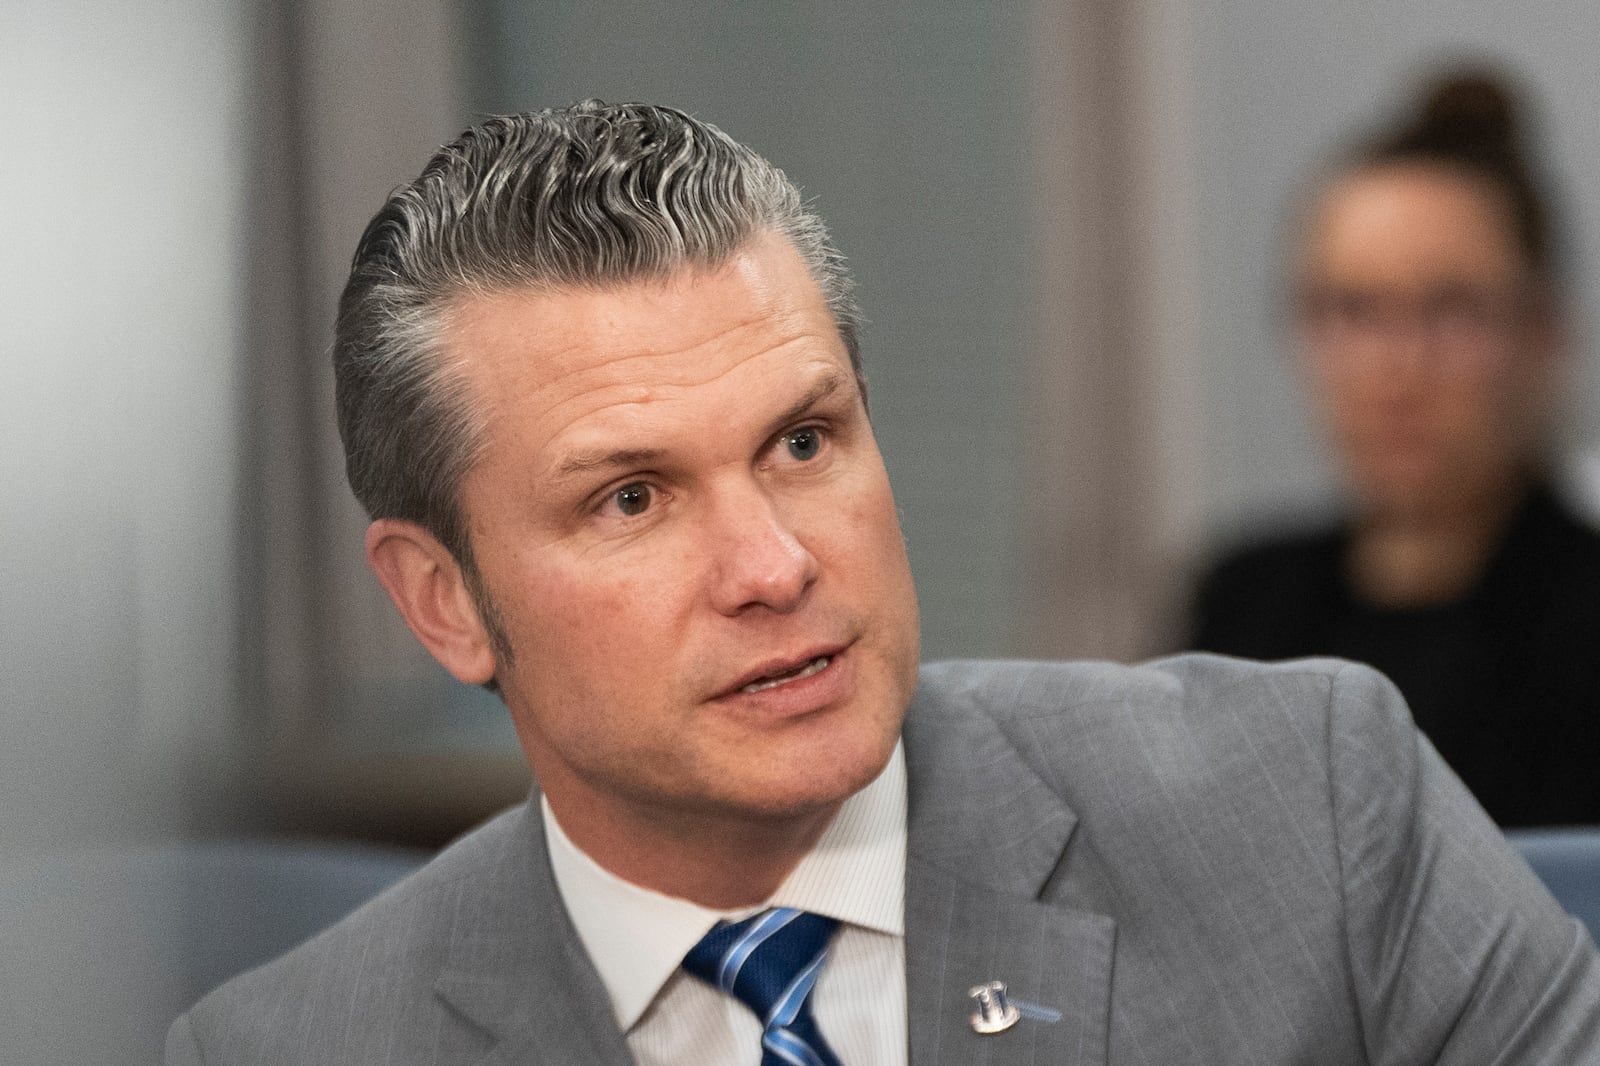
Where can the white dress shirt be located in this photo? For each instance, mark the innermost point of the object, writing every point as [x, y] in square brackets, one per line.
[637, 938]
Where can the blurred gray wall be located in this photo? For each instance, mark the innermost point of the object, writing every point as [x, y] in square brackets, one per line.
[121, 259]
[120, 265]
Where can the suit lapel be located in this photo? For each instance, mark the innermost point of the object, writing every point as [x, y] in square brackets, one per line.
[517, 970]
[985, 835]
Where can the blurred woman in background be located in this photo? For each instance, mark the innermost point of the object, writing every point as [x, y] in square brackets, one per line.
[1429, 314]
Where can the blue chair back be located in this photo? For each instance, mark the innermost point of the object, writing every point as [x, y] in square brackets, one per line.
[1568, 862]
[102, 946]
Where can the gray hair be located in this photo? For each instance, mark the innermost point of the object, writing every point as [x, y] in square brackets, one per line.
[591, 195]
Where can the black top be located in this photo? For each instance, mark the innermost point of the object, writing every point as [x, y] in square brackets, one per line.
[1505, 680]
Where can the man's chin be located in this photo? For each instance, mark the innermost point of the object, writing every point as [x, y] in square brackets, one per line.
[811, 783]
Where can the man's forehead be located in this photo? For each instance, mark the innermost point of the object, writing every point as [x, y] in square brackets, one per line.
[598, 368]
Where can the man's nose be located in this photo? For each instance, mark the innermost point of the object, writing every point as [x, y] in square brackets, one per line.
[758, 561]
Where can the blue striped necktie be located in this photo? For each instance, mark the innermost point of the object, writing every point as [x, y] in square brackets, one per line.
[769, 962]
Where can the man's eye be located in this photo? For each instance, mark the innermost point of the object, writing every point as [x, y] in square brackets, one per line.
[804, 444]
[634, 498]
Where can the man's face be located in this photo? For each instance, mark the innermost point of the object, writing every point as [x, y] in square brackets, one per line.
[683, 521]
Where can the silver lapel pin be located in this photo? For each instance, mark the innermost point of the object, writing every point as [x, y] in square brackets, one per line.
[995, 1013]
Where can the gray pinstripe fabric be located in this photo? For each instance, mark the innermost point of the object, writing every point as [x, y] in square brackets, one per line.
[1195, 861]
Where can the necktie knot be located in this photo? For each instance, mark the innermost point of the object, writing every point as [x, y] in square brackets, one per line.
[770, 963]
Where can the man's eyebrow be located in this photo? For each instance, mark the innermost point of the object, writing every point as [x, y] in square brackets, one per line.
[824, 387]
[585, 462]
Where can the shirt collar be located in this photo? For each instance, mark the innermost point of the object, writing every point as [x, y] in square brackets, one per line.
[637, 938]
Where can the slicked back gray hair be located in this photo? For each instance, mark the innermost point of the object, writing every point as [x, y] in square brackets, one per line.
[591, 195]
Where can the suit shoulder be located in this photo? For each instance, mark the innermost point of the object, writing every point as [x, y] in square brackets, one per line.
[1192, 683]
[1188, 724]
[382, 949]
[1003, 688]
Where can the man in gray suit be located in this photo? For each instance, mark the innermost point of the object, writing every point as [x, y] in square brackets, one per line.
[600, 391]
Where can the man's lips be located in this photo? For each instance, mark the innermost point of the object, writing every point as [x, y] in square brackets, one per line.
[810, 669]
[778, 672]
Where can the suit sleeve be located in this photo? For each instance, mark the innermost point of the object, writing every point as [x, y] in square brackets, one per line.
[182, 1047]
[1458, 954]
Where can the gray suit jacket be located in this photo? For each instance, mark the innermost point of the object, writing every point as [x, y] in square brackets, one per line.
[1196, 861]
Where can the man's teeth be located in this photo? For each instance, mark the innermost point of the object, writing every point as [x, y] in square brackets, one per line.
[810, 669]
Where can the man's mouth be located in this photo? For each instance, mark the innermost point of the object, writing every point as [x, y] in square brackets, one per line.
[799, 673]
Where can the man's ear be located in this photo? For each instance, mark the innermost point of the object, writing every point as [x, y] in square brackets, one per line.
[427, 584]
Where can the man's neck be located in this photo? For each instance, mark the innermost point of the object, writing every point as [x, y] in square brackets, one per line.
[719, 863]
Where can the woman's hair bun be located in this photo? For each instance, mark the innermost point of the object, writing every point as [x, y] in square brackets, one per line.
[1472, 116]
[1473, 110]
